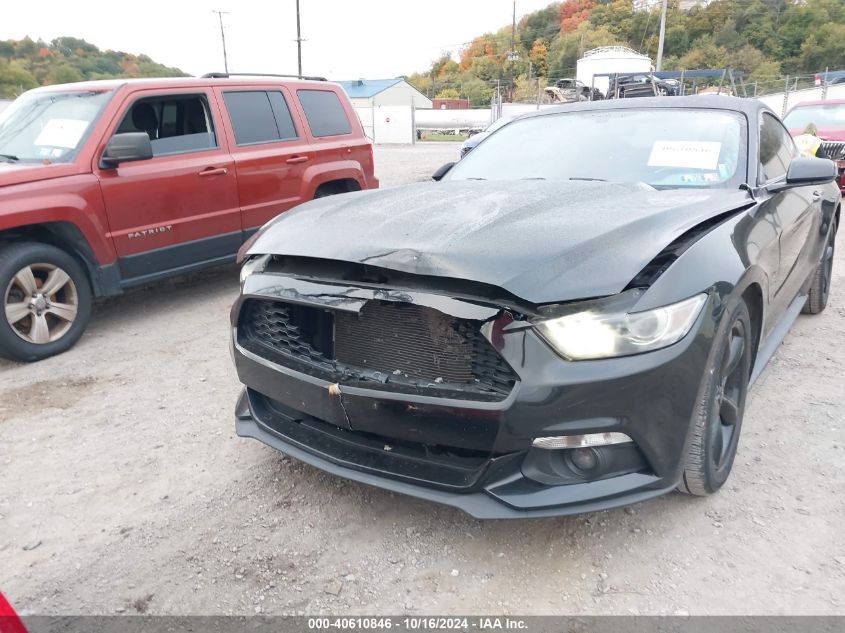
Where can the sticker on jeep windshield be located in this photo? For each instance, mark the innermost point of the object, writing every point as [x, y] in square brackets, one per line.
[64, 133]
[685, 154]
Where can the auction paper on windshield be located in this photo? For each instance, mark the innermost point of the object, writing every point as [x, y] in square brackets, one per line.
[64, 133]
[685, 154]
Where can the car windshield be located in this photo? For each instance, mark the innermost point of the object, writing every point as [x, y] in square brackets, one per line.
[48, 126]
[832, 115]
[664, 147]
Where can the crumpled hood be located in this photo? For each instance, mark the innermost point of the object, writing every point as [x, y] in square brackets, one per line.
[20, 173]
[542, 241]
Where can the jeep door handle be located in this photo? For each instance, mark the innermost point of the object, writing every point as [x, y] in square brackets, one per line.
[296, 160]
[214, 171]
[817, 195]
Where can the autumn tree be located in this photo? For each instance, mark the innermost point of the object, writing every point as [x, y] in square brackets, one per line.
[574, 12]
[539, 53]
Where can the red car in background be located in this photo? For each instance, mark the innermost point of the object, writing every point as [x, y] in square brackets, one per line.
[110, 184]
[829, 117]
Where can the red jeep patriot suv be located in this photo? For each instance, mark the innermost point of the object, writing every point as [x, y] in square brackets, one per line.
[110, 184]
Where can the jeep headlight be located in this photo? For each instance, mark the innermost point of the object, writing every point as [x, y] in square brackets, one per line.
[610, 330]
[253, 265]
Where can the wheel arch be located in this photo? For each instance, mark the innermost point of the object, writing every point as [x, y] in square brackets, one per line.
[339, 185]
[70, 239]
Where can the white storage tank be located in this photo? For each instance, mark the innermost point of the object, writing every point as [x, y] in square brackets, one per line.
[610, 59]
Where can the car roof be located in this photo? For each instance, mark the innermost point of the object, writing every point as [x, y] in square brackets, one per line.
[179, 82]
[748, 107]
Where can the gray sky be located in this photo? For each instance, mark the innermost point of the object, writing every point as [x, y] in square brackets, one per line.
[347, 39]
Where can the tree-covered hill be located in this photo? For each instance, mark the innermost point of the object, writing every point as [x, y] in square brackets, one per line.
[27, 63]
[766, 39]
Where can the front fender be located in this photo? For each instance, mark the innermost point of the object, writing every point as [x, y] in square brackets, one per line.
[726, 261]
[76, 200]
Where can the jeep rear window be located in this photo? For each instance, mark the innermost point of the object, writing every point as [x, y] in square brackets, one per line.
[324, 111]
[259, 116]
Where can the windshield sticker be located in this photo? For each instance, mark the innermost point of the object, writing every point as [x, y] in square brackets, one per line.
[64, 133]
[689, 154]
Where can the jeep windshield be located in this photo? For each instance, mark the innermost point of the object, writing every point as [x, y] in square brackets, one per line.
[663, 147]
[49, 126]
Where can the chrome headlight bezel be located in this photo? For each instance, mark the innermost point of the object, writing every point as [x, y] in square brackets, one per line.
[612, 328]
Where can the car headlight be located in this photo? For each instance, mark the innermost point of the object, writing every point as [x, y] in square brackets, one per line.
[253, 265]
[609, 331]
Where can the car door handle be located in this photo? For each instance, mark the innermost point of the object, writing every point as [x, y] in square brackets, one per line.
[296, 160]
[817, 195]
[214, 171]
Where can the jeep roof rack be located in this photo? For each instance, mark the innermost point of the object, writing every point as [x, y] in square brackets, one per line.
[227, 75]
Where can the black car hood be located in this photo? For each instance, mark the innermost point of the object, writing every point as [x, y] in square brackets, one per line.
[542, 241]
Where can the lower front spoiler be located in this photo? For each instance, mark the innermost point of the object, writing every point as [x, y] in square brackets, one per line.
[481, 504]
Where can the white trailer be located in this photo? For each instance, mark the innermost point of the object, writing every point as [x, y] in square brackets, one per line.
[610, 59]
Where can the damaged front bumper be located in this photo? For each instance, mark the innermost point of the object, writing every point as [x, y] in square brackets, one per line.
[469, 449]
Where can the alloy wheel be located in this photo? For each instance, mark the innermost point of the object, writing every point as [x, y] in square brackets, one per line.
[827, 264]
[726, 412]
[41, 303]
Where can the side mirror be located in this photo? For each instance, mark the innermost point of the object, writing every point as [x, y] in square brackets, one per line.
[126, 147]
[808, 170]
[438, 175]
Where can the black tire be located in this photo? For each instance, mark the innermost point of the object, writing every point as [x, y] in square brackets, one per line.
[16, 338]
[820, 288]
[718, 418]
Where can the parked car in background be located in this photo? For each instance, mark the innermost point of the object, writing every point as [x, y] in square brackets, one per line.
[641, 85]
[831, 78]
[829, 118]
[111, 184]
[544, 331]
[572, 91]
[473, 141]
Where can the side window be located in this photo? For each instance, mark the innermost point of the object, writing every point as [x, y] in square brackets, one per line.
[176, 124]
[259, 116]
[325, 113]
[777, 149]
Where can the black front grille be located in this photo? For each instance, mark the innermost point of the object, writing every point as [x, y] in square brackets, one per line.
[404, 347]
[835, 150]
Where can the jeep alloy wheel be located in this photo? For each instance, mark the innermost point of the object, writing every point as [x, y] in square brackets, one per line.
[41, 303]
[46, 299]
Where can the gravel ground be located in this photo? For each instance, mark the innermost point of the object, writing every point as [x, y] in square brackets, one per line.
[123, 489]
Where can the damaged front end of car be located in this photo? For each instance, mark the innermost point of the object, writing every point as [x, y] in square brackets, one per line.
[460, 392]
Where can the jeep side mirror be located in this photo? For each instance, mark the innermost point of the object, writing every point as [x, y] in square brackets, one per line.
[806, 170]
[442, 171]
[126, 147]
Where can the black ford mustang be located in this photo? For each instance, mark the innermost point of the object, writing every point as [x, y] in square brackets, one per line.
[568, 320]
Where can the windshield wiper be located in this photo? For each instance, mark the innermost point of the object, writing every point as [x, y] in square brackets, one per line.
[10, 158]
[587, 178]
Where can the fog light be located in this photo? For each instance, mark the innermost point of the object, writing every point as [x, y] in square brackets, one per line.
[584, 459]
[581, 441]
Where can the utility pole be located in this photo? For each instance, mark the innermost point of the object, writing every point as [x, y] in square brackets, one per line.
[223, 37]
[512, 56]
[298, 42]
[658, 66]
